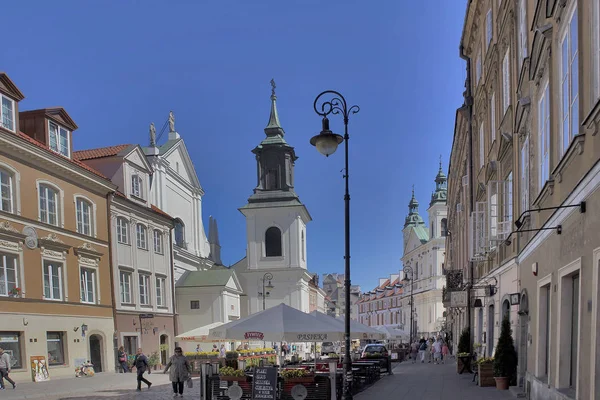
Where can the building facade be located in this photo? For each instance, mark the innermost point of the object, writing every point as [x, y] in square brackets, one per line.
[424, 254]
[532, 114]
[316, 296]
[141, 252]
[384, 305]
[55, 271]
[276, 222]
[333, 285]
[176, 190]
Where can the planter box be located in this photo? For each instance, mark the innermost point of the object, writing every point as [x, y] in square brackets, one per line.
[463, 363]
[304, 379]
[486, 375]
[233, 378]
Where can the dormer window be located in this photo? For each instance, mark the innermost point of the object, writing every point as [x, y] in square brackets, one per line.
[7, 113]
[58, 139]
[136, 186]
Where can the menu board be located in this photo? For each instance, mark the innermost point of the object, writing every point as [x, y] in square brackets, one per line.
[264, 383]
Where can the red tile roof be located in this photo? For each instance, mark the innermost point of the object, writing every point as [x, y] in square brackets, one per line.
[100, 152]
[74, 161]
[152, 207]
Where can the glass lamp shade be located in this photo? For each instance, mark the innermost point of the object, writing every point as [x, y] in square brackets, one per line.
[270, 286]
[326, 142]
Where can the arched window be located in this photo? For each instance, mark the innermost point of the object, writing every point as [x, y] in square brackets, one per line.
[303, 247]
[142, 236]
[506, 309]
[7, 191]
[84, 215]
[273, 242]
[179, 233]
[122, 230]
[444, 227]
[49, 205]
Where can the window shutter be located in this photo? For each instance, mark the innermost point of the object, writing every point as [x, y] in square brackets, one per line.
[525, 176]
[488, 28]
[479, 234]
[493, 117]
[505, 82]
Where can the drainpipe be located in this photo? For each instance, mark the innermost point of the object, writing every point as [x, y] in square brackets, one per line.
[175, 333]
[109, 199]
[469, 104]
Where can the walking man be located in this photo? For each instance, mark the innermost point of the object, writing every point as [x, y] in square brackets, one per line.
[141, 364]
[5, 369]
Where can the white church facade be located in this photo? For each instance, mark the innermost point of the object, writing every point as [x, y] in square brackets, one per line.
[423, 261]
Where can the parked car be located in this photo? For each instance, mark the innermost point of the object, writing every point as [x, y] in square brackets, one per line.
[328, 348]
[384, 361]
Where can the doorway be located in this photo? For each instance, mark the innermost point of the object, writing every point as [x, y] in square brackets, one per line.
[96, 352]
[523, 337]
[164, 348]
[490, 331]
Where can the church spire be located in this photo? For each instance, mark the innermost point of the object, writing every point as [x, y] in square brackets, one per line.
[441, 189]
[413, 218]
[274, 127]
[213, 240]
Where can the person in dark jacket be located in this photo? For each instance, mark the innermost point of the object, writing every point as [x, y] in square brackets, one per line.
[180, 371]
[141, 364]
[123, 360]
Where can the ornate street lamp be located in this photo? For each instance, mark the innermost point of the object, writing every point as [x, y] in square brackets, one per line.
[267, 277]
[409, 270]
[327, 143]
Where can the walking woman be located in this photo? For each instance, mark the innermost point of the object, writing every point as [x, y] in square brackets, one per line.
[123, 360]
[180, 371]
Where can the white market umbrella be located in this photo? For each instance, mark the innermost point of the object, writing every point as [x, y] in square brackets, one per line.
[201, 334]
[392, 333]
[366, 332]
[281, 323]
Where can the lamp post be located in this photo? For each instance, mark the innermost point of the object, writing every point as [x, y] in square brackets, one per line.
[326, 143]
[268, 276]
[409, 270]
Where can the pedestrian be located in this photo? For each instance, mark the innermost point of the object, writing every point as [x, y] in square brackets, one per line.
[422, 349]
[123, 360]
[431, 350]
[445, 352]
[414, 350]
[437, 351]
[180, 371]
[223, 351]
[141, 364]
[5, 369]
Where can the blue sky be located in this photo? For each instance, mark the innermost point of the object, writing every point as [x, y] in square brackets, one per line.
[116, 66]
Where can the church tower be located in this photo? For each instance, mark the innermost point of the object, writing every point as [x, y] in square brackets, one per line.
[414, 221]
[438, 211]
[275, 217]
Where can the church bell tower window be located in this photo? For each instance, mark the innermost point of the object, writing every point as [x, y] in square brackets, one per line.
[272, 179]
[273, 242]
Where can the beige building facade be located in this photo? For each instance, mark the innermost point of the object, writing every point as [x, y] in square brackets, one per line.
[55, 284]
[523, 209]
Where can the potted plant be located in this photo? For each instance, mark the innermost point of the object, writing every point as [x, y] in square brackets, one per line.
[15, 292]
[231, 374]
[505, 357]
[153, 360]
[485, 371]
[297, 376]
[463, 358]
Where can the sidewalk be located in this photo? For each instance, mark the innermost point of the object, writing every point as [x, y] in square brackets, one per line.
[102, 386]
[430, 382]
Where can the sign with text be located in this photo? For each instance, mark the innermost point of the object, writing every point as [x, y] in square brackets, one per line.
[458, 299]
[142, 316]
[254, 335]
[312, 337]
[264, 383]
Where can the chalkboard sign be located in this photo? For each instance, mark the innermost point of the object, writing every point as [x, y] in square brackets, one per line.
[264, 383]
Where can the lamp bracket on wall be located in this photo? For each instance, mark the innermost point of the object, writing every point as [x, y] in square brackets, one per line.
[518, 223]
[558, 229]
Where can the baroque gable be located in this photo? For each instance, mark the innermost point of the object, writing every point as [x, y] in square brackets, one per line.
[178, 155]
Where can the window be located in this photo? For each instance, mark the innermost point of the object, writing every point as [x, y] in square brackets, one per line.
[195, 304]
[569, 82]
[7, 113]
[84, 217]
[493, 117]
[544, 330]
[273, 242]
[122, 230]
[136, 186]
[488, 28]
[144, 289]
[158, 241]
[180, 233]
[48, 205]
[524, 189]
[9, 274]
[478, 67]
[125, 286]
[56, 348]
[303, 247]
[6, 191]
[58, 139]
[160, 292]
[272, 179]
[12, 344]
[522, 31]
[544, 135]
[508, 203]
[505, 82]
[130, 344]
[53, 285]
[87, 283]
[481, 146]
[444, 227]
[142, 242]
